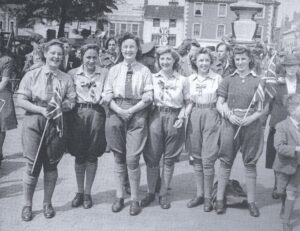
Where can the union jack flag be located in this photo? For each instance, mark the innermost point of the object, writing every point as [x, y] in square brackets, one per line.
[270, 79]
[55, 110]
[259, 97]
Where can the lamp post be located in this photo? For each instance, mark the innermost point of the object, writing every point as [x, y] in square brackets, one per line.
[244, 27]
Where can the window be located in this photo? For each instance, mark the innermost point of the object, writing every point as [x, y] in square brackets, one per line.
[222, 10]
[259, 32]
[156, 39]
[66, 34]
[135, 29]
[11, 28]
[220, 31]
[198, 8]
[112, 29]
[123, 28]
[172, 23]
[172, 40]
[156, 22]
[196, 30]
[261, 14]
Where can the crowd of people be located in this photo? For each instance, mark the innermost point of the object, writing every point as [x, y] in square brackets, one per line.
[136, 99]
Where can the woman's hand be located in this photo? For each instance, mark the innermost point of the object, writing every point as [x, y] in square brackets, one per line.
[178, 123]
[125, 114]
[45, 113]
[248, 120]
[234, 119]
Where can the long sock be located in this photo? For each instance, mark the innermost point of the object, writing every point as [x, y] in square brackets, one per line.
[120, 171]
[134, 180]
[224, 174]
[29, 184]
[152, 176]
[251, 183]
[90, 171]
[167, 174]
[208, 185]
[288, 210]
[50, 178]
[199, 178]
[80, 173]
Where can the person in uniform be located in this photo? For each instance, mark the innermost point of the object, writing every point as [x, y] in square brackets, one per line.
[8, 118]
[203, 127]
[36, 90]
[241, 129]
[87, 135]
[166, 124]
[129, 91]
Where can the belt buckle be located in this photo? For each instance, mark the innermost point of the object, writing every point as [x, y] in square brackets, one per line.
[89, 105]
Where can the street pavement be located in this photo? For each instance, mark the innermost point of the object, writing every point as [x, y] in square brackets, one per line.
[100, 216]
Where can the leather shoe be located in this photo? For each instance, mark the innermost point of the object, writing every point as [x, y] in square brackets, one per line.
[87, 201]
[135, 208]
[220, 208]
[27, 213]
[164, 202]
[286, 227]
[48, 211]
[78, 200]
[118, 205]
[150, 197]
[207, 205]
[254, 212]
[195, 202]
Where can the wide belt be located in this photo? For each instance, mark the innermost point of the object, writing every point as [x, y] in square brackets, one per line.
[88, 105]
[205, 106]
[167, 109]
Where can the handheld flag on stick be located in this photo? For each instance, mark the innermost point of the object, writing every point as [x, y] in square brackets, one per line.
[2, 103]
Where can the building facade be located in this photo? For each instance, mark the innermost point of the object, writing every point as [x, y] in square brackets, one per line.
[290, 39]
[209, 20]
[8, 23]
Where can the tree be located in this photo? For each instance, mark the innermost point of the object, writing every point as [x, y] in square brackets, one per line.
[62, 11]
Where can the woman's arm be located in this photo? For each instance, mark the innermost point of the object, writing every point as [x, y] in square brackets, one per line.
[3, 83]
[24, 103]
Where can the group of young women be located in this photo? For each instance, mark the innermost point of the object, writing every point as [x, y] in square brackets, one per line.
[149, 114]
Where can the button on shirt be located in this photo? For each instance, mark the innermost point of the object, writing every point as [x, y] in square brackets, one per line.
[116, 81]
[89, 89]
[170, 91]
[33, 85]
[203, 90]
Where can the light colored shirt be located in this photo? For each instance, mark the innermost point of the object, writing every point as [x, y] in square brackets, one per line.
[170, 91]
[291, 85]
[203, 90]
[295, 122]
[141, 81]
[89, 89]
[34, 84]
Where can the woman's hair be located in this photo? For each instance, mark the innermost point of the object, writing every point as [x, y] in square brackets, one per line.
[167, 50]
[238, 50]
[292, 102]
[126, 36]
[87, 47]
[202, 50]
[52, 43]
[185, 46]
[223, 44]
[108, 40]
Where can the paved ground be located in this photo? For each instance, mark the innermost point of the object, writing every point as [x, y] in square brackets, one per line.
[100, 216]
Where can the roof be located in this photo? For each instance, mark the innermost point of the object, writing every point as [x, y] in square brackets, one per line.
[168, 12]
[232, 1]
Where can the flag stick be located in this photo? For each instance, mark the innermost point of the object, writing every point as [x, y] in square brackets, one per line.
[39, 149]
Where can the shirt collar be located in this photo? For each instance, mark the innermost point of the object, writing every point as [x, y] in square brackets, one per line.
[252, 72]
[47, 71]
[295, 122]
[211, 75]
[134, 63]
[81, 72]
[174, 75]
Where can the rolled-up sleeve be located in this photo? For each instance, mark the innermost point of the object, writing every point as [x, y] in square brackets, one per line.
[147, 91]
[25, 86]
[223, 88]
[108, 92]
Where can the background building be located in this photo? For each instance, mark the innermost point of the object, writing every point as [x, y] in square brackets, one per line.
[290, 38]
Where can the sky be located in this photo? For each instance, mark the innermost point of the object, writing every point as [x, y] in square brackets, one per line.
[287, 7]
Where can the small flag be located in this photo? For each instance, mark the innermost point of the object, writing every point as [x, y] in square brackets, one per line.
[2, 103]
[259, 96]
[55, 110]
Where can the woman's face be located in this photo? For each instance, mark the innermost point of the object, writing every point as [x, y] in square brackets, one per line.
[90, 58]
[166, 62]
[242, 62]
[111, 45]
[129, 49]
[291, 70]
[203, 63]
[54, 56]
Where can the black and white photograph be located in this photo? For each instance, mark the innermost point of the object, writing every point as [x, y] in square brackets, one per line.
[155, 115]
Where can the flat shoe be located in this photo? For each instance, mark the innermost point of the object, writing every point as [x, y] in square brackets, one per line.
[207, 205]
[135, 208]
[118, 205]
[78, 200]
[150, 197]
[87, 201]
[48, 211]
[27, 213]
[254, 212]
[164, 202]
[220, 208]
[195, 202]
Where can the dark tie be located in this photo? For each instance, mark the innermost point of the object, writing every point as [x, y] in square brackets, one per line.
[49, 85]
[128, 83]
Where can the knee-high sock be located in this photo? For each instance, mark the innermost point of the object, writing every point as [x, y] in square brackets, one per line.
[251, 183]
[50, 178]
[134, 180]
[152, 176]
[167, 174]
[29, 184]
[80, 173]
[120, 171]
[199, 177]
[224, 174]
[90, 173]
[209, 173]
